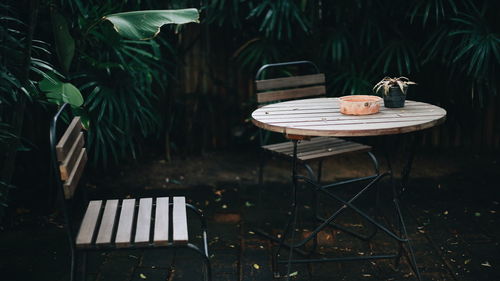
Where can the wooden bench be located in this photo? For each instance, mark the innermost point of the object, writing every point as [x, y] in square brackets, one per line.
[117, 223]
[301, 86]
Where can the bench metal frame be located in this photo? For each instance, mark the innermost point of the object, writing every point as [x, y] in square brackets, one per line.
[71, 235]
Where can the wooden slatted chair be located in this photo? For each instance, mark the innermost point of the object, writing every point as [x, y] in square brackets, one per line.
[311, 84]
[117, 224]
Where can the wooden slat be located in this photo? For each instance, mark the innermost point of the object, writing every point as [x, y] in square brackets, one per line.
[318, 147]
[179, 218]
[328, 153]
[383, 122]
[88, 225]
[143, 221]
[322, 148]
[72, 182]
[366, 129]
[161, 221]
[331, 105]
[68, 163]
[317, 140]
[124, 230]
[311, 148]
[291, 94]
[107, 223]
[69, 136]
[309, 118]
[303, 80]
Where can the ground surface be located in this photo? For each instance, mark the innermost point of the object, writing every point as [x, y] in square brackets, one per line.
[452, 218]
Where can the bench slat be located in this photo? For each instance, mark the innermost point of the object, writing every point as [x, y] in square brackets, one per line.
[291, 94]
[67, 165]
[124, 231]
[67, 139]
[143, 221]
[87, 228]
[179, 217]
[107, 222]
[302, 80]
[72, 182]
[161, 221]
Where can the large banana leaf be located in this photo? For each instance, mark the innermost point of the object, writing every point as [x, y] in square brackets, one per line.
[144, 25]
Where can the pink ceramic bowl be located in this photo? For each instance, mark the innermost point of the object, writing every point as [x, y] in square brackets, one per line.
[360, 104]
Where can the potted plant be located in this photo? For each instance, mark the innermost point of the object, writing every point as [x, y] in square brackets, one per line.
[393, 90]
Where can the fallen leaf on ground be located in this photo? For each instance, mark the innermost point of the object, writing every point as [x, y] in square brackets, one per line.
[256, 266]
[142, 276]
[487, 264]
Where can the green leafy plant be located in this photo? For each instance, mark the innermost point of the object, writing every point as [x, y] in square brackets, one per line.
[120, 70]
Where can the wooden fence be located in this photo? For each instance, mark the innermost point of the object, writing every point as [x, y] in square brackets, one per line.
[221, 100]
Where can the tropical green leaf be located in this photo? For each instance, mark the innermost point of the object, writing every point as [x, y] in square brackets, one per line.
[64, 43]
[59, 92]
[144, 25]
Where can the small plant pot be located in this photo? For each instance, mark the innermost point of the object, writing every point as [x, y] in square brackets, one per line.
[395, 98]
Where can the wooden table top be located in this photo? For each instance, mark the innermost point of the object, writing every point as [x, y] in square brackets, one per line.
[322, 117]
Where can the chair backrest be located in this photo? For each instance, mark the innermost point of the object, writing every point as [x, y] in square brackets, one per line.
[69, 154]
[286, 86]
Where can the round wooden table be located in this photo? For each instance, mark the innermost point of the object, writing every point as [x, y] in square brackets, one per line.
[322, 117]
[301, 119]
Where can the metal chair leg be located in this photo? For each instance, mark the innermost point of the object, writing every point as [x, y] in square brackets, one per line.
[73, 265]
[203, 222]
[262, 163]
[206, 261]
[84, 265]
[204, 254]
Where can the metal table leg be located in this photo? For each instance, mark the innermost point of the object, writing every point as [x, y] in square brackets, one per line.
[401, 236]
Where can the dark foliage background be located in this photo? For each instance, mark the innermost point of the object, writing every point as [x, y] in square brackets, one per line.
[190, 89]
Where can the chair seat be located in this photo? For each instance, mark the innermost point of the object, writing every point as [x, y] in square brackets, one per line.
[317, 148]
[134, 222]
